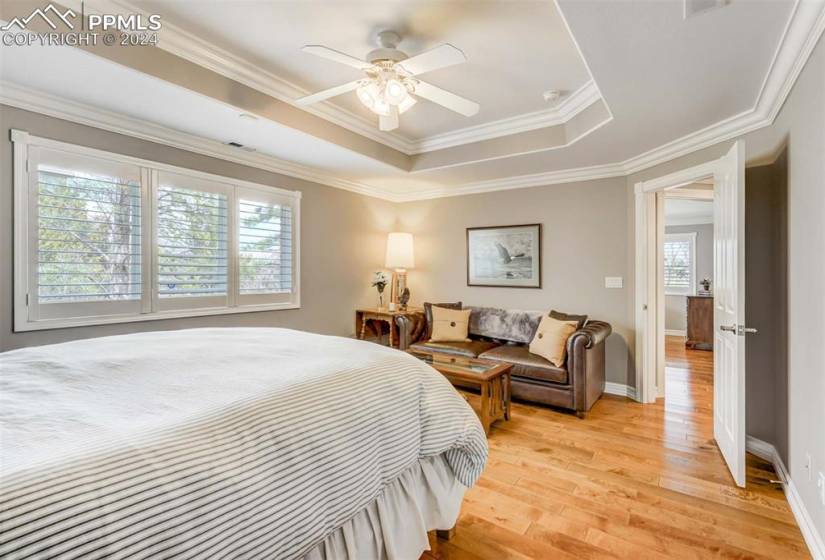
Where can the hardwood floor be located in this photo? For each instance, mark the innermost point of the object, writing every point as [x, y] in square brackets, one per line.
[629, 481]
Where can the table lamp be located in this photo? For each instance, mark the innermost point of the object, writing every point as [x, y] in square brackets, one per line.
[399, 258]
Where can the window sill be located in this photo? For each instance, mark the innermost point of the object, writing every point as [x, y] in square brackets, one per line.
[48, 324]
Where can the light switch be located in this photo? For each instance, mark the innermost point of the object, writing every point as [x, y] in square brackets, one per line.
[613, 282]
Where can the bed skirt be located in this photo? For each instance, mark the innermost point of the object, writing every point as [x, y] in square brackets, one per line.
[425, 497]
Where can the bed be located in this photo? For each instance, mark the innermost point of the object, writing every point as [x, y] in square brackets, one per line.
[229, 443]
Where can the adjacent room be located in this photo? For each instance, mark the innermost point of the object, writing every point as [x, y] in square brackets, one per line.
[412, 279]
[687, 267]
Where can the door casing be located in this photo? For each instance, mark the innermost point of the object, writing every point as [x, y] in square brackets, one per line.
[649, 290]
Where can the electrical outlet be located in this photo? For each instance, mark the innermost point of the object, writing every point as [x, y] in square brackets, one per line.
[809, 468]
[820, 483]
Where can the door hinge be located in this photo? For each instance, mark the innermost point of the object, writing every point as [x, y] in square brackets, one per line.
[27, 300]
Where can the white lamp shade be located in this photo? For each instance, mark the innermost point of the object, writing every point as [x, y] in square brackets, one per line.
[399, 251]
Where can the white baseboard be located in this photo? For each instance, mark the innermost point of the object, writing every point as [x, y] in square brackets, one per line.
[619, 389]
[674, 332]
[813, 539]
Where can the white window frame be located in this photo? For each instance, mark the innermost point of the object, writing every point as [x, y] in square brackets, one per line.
[24, 175]
[690, 237]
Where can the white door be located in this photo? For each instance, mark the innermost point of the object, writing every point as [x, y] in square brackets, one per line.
[729, 310]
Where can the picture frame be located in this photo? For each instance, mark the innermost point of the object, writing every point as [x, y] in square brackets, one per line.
[504, 256]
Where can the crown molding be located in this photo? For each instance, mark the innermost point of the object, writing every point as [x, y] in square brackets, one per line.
[189, 46]
[518, 182]
[568, 108]
[802, 31]
[800, 36]
[54, 106]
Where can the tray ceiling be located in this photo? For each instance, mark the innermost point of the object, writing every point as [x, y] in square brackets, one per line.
[501, 40]
[661, 85]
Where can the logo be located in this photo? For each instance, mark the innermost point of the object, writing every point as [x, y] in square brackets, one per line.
[44, 15]
[126, 30]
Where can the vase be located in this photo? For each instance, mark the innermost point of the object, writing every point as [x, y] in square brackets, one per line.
[380, 300]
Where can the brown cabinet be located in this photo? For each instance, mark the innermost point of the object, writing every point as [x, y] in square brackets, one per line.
[700, 322]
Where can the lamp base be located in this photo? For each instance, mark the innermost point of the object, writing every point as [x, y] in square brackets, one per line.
[399, 284]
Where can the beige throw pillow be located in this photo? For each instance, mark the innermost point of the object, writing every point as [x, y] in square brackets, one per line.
[550, 341]
[450, 325]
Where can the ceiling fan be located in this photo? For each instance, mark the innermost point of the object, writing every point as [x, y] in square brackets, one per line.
[391, 85]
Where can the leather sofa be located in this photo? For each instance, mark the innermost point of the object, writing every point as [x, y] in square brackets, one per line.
[504, 335]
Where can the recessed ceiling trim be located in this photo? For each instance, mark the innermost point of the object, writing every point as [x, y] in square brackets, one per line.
[568, 108]
[519, 182]
[189, 46]
[33, 100]
[801, 35]
[571, 136]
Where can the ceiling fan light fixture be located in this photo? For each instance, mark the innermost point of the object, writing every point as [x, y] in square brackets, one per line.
[381, 107]
[368, 95]
[391, 85]
[395, 92]
[407, 104]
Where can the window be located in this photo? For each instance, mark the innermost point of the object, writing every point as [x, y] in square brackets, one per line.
[680, 263]
[104, 238]
[265, 246]
[192, 221]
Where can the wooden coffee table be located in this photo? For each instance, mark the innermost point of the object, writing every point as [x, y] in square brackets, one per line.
[493, 379]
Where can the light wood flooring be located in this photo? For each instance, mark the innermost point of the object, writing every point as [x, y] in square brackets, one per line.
[630, 481]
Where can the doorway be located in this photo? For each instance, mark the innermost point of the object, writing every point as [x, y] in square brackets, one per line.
[685, 262]
[728, 332]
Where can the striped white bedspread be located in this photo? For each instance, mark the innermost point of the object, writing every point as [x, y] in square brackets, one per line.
[212, 443]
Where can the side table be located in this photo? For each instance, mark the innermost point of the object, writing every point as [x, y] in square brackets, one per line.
[365, 316]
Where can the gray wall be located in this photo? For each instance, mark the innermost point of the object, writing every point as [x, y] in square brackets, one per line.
[800, 128]
[676, 306]
[766, 259]
[342, 239]
[584, 227]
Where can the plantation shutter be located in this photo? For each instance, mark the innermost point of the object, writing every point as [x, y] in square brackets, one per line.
[87, 236]
[266, 250]
[103, 238]
[192, 235]
[679, 264]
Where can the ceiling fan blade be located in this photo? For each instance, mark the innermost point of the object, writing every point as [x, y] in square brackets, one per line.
[337, 56]
[327, 93]
[449, 100]
[389, 122]
[433, 59]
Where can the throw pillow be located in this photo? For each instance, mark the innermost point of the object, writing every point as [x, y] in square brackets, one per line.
[580, 319]
[450, 325]
[550, 341]
[428, 313]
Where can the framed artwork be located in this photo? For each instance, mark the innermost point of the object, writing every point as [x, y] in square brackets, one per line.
[504, 256]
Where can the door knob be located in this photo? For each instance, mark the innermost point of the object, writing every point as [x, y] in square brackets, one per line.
[738, 329]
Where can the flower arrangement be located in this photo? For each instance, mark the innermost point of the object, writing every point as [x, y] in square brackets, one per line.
[379, 282]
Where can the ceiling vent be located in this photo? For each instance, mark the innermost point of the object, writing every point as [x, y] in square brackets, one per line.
[241, 146]
[694, 7]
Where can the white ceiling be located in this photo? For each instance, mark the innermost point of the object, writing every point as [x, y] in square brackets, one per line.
[501, 39]
[663, 77]
[687, 212]
[131, 93]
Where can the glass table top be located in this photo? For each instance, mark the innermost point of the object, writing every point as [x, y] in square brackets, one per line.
[457, 364]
